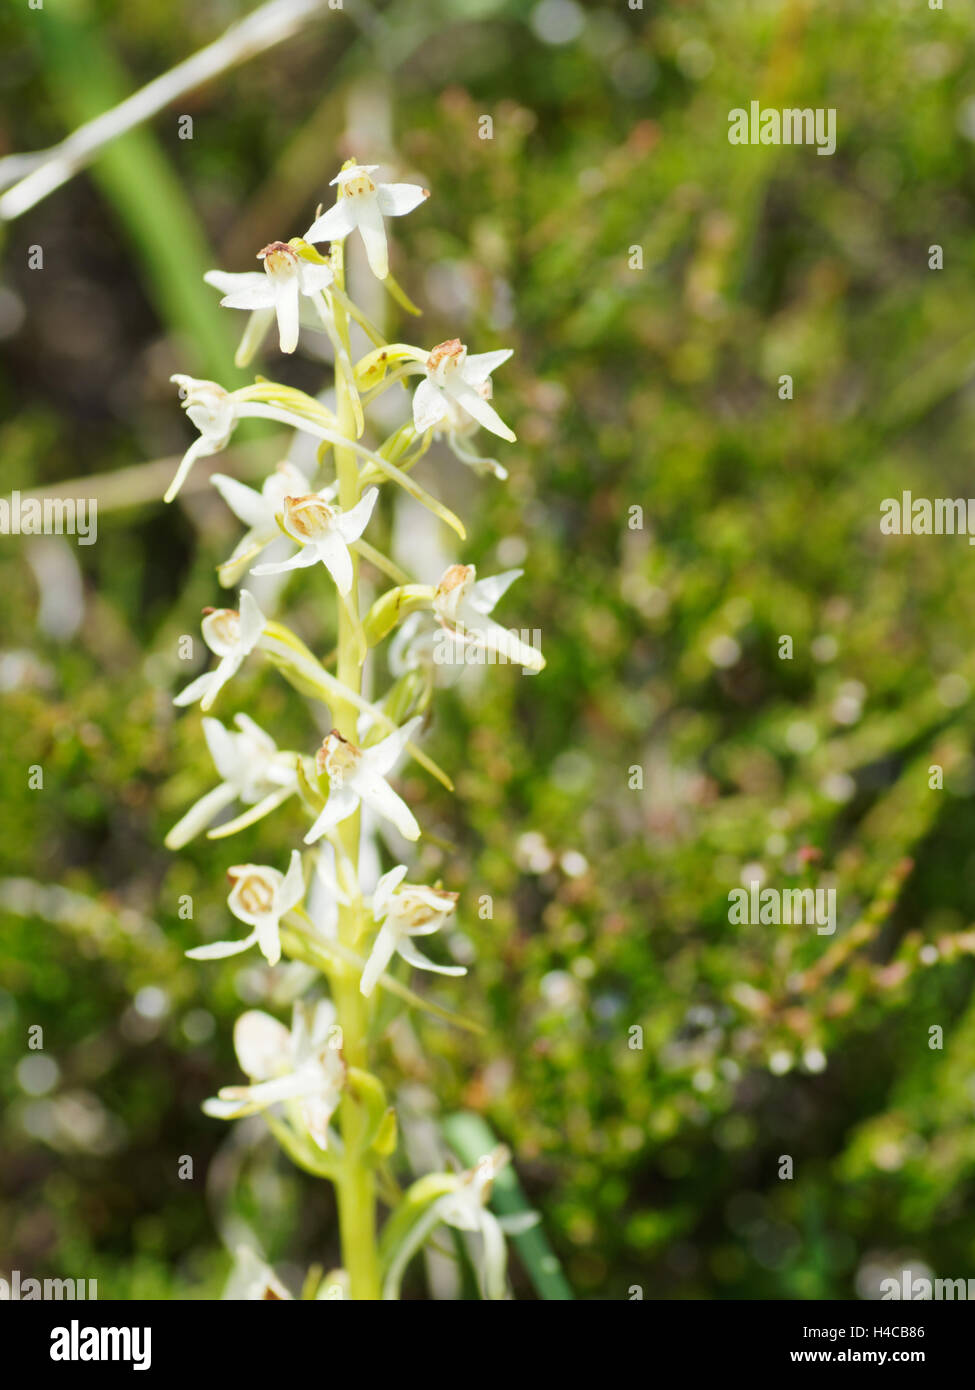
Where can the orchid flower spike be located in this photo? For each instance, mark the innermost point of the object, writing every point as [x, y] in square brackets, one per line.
[303, 1065]
[231, 636]
[251, 770]
[461, 604]
[325, 533]
[453, 378]
[258, 511]
[260, 896]
[363, 203]
[287, 276]
[409, 910]
[358, 775]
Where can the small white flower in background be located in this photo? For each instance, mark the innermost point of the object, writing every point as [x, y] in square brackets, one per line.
[462, 603]
[303, 1065]
[454, 378]
[359, 775]
[258, 511]
[409, 910]
[260, 897]
[363, 203]
[214, 413]
[252, 770]
[286, 277]
[324, 533]
[230, 635]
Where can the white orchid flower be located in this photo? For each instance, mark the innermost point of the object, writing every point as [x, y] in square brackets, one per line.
[214, 412]
[359, 775]
[363, 203]
[303, 1065]
[286, 277]
[260, 896]
[409, 910]
[464, 1208]
[462, 603]
[258, 511]
[251, 770]
[324, 533]
[454, 378]
[230, 635]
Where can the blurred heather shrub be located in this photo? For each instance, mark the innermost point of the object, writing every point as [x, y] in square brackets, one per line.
[654, 389]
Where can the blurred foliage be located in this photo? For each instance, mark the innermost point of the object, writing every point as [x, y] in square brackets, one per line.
[654, 389]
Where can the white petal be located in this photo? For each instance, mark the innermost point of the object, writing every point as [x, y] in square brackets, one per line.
[217, 950]
[245, 502]
[334, 555]
[262, 1044]
[334, 224]
[485, 593]
[314, 278]
[222, 748]
[251, 621]
[373, 231]
[479, 365]
[382, 757]
[286, 304]
[340, 805]
[429, 406]
[262, 294]
[195, 690]
[227, 667]
[385, 888]
[351, 524]
[484, 414]
[395, 199]
[494, 637]
[420, 962]
[269, 938]
[200, 814]
[378, 794]
[228, 282]
[292, 888]
[200, 449]
[495, 1256]
[379, 957]
[302, 560]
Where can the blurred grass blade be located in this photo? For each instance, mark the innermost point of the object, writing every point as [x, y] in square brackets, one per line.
[84, 77]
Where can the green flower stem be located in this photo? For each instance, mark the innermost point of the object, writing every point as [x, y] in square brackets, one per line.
[356, 1187]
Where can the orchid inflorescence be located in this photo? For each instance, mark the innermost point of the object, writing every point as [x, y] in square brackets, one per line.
[312, 1081]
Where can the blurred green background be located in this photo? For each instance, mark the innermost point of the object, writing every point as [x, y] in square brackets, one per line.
[653, 388]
